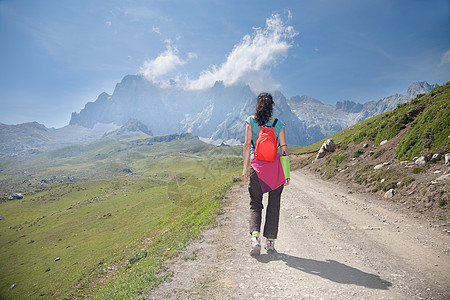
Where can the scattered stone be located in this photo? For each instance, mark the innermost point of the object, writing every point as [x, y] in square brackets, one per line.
[365, 145]
[383, 142]
[377, 167]
[436, 157]
[443, 177]
[327, 147]
[382, 180]
[1, 218]
[389, 194]
[447, 159]
[371, 228]
[12, 286]
[56, 259]
[421, 161]
[437, 172]
[15, 196]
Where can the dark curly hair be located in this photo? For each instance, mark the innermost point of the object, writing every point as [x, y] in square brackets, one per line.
[264, 107]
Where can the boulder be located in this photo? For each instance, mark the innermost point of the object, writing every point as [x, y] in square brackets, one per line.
[15, 196]
[389, 194]
[421, 161]
[447, 159]
[327, 147]
[436, 157]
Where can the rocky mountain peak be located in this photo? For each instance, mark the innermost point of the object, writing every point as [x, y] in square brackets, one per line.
[419, 87]
[131, 126]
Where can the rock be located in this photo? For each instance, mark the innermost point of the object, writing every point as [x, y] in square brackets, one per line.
[365, 145]
[127, 170]
[15, 196]
[447, 159]
[12, 286]
[56, 259]
[421, 161]
[1, 218]
[389, 194]
[383, 142]
[327, 147]
[377, 167]
[443, 177]
[436, 157]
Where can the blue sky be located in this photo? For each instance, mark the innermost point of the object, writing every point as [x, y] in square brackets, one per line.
[56, 55]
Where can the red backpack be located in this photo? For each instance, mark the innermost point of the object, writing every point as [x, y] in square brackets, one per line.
[266, 143]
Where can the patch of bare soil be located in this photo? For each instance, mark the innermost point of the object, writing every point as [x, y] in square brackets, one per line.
[420, 190]
[333, 243]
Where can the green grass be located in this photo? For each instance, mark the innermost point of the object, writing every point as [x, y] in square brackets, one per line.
[427, 116]
[107, 217]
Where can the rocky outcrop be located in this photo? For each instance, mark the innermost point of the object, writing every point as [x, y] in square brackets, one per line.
[327, 147]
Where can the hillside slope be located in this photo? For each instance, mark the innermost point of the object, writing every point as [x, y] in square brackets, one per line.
[380, 155]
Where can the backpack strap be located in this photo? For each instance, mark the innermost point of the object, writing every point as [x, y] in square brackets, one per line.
[274, 123]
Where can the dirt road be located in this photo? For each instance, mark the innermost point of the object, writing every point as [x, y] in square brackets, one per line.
[332, 244]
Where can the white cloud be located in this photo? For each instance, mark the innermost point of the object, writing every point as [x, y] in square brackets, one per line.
[163, 64]
[251, 59]
[156, 30]
[108, 23]
[445, 58]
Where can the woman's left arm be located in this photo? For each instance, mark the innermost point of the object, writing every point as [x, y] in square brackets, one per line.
[283, 145]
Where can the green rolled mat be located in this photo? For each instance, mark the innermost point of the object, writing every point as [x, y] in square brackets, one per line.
[285, 164]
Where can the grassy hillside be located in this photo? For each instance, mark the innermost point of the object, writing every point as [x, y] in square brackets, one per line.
[100, 219]
[426, 119]
[362, 162]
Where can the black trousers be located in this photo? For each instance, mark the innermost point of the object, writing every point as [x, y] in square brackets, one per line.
[256, 207]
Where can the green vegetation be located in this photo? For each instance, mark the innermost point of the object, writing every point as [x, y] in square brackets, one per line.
[418, 170]
[426, 119]
[101, 219]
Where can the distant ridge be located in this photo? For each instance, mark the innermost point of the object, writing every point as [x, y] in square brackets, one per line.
[130, 127]
[215, 115]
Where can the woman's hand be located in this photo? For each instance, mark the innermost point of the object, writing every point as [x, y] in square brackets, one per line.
[245, 175]
[288, 180]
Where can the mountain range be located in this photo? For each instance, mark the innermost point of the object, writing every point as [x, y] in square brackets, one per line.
[216, 115]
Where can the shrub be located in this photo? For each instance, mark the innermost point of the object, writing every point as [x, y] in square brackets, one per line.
[358, 153]
[379, 153]
[407, 180]
[418, 170]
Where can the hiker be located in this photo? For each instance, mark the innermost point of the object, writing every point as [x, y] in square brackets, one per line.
[265, 175]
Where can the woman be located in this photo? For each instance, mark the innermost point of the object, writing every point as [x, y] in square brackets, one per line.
[264, 176]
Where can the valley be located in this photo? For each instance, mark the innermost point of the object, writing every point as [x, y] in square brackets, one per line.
[88, 209]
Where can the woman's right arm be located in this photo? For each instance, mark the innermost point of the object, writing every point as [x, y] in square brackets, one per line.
[247, 148]
[284, 148]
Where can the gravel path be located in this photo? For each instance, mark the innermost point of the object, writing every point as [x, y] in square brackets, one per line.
[332, 244]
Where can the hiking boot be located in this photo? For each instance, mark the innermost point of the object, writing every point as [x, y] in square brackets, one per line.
[270, 245]
[256, 246]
